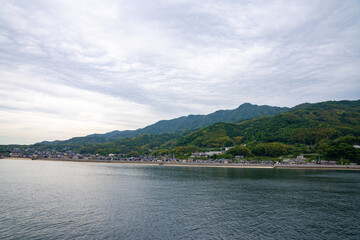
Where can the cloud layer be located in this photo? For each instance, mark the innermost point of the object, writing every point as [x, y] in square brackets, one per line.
[72, 68]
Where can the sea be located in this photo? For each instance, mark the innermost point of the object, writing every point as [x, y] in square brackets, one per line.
[73, 200]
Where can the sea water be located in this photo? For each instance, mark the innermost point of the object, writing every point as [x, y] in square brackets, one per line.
[71, 200]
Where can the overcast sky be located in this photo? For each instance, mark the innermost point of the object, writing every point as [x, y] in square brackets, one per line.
[72, 68]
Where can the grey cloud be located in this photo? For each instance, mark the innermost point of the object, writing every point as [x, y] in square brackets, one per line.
[181, 57]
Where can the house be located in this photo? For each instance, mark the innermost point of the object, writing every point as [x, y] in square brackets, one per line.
[266, 162]
[77, 156]
[211, 153]
[15, 154]
[243, 161]
[288, 161]
[300, 160]
[198, 154]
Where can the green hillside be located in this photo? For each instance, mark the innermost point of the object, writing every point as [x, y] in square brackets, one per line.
[144, 145]
[243, 112]
[310, 125]
[177, 125]
[331, 128]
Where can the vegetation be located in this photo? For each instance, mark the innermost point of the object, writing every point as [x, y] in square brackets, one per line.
[239, 151]
[177, 125]
[216, 135]
[332, 127]
[271, 149]
[183, 152]
[141, 145]
[328, 130]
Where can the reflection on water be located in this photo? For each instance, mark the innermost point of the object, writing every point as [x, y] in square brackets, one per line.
[64, 200]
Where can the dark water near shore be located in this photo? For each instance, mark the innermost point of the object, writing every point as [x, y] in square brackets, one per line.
[68, 200]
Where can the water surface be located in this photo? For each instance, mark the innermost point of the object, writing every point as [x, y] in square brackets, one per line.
[69, 200]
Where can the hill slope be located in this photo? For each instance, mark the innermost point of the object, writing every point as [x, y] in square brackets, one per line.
[327, 120]
[243, 112]
[329, 128]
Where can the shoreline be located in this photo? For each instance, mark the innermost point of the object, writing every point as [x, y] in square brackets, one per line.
[219, 165]
[146, 163]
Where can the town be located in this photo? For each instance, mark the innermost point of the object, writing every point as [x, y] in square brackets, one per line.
[197, 158]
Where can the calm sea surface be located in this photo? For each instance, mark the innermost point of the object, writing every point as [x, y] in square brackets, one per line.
[68, 200]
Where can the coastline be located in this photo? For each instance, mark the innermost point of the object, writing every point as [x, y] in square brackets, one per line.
[146, 163]
[220, 165]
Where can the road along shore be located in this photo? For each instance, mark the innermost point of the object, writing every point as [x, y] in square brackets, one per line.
[221, 165]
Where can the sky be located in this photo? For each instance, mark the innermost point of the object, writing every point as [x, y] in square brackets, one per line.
[72, 68]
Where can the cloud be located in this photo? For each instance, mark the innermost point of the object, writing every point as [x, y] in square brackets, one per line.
[123, 65]
[37, 108]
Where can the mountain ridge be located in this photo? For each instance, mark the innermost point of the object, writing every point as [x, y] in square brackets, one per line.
[331, 129]
[316, 122]
[328, 129]
[184, 123]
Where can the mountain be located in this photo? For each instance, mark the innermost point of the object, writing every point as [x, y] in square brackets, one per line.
[329, 128]
[309, 125]
[144, 144]
[177, 125]
[243, 112]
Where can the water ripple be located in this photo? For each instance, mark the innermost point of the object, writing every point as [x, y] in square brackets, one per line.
[53, 200]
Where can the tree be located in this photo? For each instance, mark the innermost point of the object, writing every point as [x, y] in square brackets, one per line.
[161, 152]
[239, 151]
[271, 149]
[186, 151]
[133, 154]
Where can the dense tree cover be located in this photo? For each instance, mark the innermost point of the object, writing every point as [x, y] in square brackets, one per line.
[239, 151]
[311, 136]
[142, 145]
[243, 112]
[89, 149]
[133, 154]
[271, 149]
[184, 151]
[304, 125]
[216, 135]
[161, 152]
[340, 148]
[327, 120]
[329, 128]
[93, 139]
[177, 125]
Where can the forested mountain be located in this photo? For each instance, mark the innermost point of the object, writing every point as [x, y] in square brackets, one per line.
[330, 129]
[243, 112]
[177, 125]
[308, 125]
[143, 144]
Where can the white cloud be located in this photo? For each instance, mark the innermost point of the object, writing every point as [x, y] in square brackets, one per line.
[38, 109]
[137, 62]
